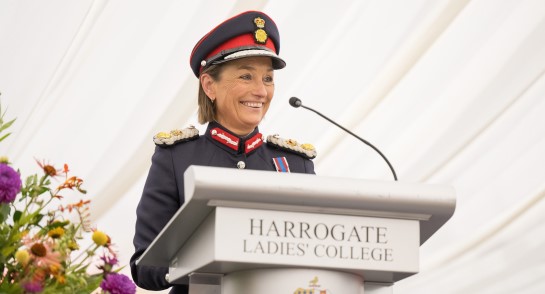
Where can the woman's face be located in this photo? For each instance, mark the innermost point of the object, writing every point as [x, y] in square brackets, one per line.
[242, 93]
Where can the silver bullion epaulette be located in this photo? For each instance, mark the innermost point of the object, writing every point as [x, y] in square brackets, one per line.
[176, 136]
[306, 150]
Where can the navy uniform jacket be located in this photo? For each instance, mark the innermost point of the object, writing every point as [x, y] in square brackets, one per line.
[164, 189]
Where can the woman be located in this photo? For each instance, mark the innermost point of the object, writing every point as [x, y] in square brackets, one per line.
[235, 64]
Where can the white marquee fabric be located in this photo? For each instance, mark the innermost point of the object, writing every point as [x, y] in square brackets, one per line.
[452, 91]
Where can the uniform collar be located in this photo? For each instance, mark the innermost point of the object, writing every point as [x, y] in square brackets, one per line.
[233, 143]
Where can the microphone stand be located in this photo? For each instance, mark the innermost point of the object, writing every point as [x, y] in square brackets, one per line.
[297, 103]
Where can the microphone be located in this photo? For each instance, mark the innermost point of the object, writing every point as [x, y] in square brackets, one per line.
[296, 102]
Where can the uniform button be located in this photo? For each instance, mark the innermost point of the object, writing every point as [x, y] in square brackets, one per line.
[241, 165]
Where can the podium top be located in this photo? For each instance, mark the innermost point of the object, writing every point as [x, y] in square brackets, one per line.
[209, 187]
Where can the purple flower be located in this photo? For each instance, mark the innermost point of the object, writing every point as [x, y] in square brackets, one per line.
[109, 260]
[33, 287]
[118, 284]
[109, 263]
[10, 183]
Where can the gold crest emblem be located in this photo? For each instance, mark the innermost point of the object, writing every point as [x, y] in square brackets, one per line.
[307, 146]
[259, 22]
[163, 135]
[291, 142]
[260, 35]
[312, 288]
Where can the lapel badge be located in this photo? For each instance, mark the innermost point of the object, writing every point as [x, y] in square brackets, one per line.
[260, 35]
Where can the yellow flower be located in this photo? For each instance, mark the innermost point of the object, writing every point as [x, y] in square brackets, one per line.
[100, 238]
[72, 245]
[22, 256]
[54, 268]
[4, 159]
[61, 279]
[56, 233]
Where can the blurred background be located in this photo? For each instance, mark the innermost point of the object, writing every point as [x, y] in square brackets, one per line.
[452, 91]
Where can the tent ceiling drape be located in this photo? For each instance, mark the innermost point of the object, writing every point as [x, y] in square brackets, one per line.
[451, 91]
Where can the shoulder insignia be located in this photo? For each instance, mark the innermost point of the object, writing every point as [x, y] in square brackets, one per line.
[176, 136]
[306, 150]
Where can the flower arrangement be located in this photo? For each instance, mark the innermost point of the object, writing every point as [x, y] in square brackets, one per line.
[40, 237]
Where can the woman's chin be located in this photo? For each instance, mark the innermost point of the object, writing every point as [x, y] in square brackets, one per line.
[252, 119]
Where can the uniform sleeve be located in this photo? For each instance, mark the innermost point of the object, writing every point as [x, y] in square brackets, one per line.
[159, 202]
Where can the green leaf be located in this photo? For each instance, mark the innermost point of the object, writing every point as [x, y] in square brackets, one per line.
[37, 218]
[56, 224]
[30, 181]
[8, 250]
[9, 288]
[6, 125]
[17, 215]
[93, 282]
[5, 136]
[5, 209]
[59, 224]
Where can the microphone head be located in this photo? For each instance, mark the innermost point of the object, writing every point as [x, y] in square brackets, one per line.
[295, 102]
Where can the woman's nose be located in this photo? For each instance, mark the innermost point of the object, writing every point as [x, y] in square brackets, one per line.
[260, 88]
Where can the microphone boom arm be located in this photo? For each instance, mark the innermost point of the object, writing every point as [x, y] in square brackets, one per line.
[357, 137]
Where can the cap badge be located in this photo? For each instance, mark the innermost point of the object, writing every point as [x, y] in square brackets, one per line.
[260, 35]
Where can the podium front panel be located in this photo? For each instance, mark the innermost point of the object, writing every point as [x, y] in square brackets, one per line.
[316, 240]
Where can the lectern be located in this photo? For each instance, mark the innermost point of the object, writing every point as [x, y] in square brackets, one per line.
[246, 232]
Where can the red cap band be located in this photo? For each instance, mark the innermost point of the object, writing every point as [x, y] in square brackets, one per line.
[241, 41]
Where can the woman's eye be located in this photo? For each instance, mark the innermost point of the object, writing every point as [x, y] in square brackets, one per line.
[268, 80]
[246, 77]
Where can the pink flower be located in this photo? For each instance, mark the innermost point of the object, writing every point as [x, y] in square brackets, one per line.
[109, 260]
[10, 183]
[109, 263]
[42, 254]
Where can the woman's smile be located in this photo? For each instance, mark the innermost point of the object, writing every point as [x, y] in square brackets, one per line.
[252, 104]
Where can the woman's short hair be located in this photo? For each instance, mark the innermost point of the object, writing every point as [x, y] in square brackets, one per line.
[207, 108]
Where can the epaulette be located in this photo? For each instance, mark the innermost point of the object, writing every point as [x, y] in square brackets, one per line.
[306, 150]
[176, 136]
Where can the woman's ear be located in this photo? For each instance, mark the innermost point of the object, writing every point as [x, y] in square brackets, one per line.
[208, 85]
